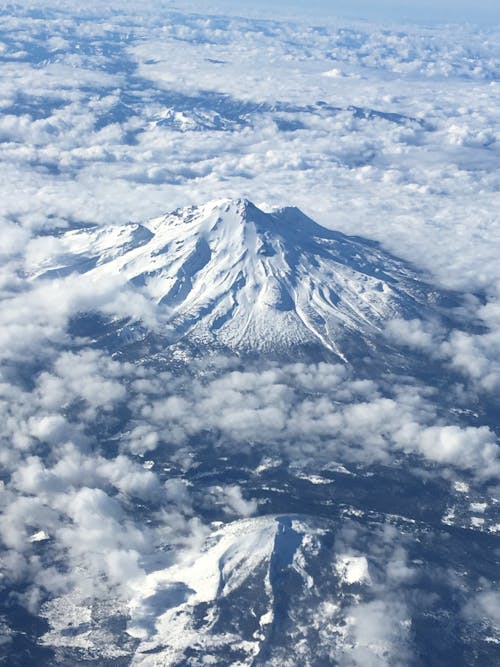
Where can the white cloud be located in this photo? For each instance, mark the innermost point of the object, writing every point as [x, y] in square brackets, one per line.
[342, 168]
[378, 633]
[483, 610]
[412, 333]
[319, 412]
[231, 499]
[85, 139]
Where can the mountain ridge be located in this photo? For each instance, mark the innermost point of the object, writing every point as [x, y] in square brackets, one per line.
[227, 273]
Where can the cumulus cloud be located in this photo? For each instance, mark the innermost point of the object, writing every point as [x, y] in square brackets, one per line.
[485, 607]
[35, 320]
[231, 499]
[91, 134]
[96, 151]
[414, 333]
[474, 448]
[317, 412]
[84, 498]
[378, 631]
[476, 355]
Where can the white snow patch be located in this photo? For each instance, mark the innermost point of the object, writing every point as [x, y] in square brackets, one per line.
[226, 560]
[479, 507]
[315, 479]
[267, 464]
[40, 536]
[353, 569]
[72, 623]
[461, 487]
[352, 511]
[449, 517]
[267, 618]
[338, 467]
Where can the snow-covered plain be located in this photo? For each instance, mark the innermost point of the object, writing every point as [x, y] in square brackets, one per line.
[236, 433]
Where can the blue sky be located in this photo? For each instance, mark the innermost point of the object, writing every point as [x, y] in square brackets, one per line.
[386, 10]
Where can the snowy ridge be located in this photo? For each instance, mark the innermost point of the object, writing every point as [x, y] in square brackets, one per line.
[163, 610]
[242, 562]
[227, 273]
[226, 602]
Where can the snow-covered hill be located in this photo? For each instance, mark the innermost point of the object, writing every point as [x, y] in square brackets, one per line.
[253, 579]
[230, 274]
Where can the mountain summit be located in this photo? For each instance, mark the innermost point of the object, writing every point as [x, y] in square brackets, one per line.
[229, 274]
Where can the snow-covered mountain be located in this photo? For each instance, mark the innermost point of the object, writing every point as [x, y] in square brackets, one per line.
[230, 274]
[257, 591]
[231, 600]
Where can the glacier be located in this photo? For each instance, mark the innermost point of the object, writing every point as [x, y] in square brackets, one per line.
[229, 275]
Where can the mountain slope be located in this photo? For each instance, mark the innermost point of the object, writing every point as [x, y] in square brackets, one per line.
[232, 599]
[229, 274]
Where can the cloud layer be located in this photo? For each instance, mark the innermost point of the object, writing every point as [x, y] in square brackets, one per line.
[109, 116]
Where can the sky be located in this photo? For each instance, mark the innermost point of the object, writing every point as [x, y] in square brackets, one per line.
[483, 11]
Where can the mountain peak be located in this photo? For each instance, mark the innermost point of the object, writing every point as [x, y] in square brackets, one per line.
[240, 206]
[228, 273]
[242, 209]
